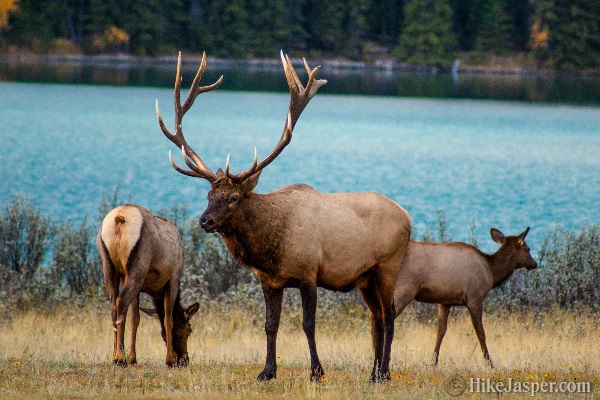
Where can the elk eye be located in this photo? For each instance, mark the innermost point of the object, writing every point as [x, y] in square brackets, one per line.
[234, 198]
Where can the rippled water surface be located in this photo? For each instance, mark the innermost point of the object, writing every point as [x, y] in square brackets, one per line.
[504, 164]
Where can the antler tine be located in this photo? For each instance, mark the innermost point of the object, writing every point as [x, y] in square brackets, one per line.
[299, 98]
[192, 173]
[197, 166]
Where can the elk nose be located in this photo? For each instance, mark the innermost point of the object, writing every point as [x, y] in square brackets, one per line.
[533, 266]
[206, 223]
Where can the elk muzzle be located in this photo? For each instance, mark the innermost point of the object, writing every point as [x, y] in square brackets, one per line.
[531, 266]
[207, 223]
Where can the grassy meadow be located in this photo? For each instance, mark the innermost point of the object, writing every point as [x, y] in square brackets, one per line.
[67, 354]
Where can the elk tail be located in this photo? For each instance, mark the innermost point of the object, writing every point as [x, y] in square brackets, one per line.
[119, 221]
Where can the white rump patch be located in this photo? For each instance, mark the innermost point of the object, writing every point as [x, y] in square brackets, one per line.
[119, 240]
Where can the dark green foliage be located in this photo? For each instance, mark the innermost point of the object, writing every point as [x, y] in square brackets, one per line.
[494, 32]
[426, 32]
[566, 33]
[574, 38]
[427, 37]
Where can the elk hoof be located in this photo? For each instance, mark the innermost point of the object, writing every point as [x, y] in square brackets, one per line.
[183, 361]
[267, 374]
[121, 362]
[317, 374]
[380, 377]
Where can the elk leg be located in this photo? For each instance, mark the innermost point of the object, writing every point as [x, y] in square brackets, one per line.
[308, 293]
[476, 318]
[369, 294]
[443, 312]
[169, 301]
[120, 352]
[386, 297]
[111, 282]
[130, 291]
[135, 321]
[273, 303]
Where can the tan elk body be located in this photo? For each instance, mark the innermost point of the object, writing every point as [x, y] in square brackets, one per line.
[458, 274]
[298, 237]
[143, 253]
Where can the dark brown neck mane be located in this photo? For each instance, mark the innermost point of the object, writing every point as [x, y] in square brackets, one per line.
[255, 234]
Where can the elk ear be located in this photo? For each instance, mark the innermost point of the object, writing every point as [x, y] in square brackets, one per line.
[191, 310]
[250, 183]
[497, 236]
[522, 235]
[151, 312]
[220, 174]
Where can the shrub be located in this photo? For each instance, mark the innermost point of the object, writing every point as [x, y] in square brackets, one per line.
[24, 240]
[24, 235]
[74, 263]
[568, 276]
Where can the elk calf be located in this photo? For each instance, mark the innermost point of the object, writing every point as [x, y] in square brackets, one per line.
[144, 253]
[458, 274]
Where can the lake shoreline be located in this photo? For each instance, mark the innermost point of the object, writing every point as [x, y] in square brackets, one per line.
[384, 64]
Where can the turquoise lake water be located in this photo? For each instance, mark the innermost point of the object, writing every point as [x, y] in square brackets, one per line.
[507, 165]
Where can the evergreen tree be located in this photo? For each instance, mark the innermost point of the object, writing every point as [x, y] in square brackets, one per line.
[566, 33]
[7, 7]
[494, 34]
[575, 38]
[427, 37]
[267, 30]
[227, 22]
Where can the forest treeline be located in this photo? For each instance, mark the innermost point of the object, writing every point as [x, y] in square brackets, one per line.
[558, 34]
[45, 263]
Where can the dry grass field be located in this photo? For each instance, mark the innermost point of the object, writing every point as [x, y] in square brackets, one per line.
[68, 355]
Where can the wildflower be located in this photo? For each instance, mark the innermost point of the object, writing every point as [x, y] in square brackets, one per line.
[17, 363]
[278, 356]
[210, 340]
[530, 378]
[323, 379]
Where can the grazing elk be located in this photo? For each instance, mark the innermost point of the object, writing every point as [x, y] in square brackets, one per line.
[458, 274]
[144, 253]
[298, 237]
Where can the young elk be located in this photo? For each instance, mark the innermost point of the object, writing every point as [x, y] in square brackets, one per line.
[458, 274]
[144, 253]
[298, 237]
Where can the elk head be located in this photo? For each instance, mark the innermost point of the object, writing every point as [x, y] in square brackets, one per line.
[516, 247]
[181, 329]
[229, 191]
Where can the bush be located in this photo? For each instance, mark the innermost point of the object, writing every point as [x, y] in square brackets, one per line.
[74, 263]
[568, 276]
[24, 240]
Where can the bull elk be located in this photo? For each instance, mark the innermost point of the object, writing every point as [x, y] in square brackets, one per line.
[458, 274]
[144, 253]
[298, 237]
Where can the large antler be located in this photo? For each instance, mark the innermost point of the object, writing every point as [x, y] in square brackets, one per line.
[299, 98]
[197, 167]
